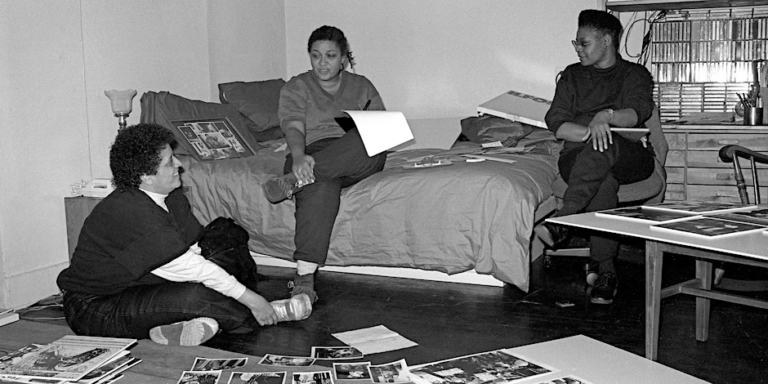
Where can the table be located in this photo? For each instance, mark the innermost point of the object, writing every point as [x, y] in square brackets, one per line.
[598, 362]
[747, 249]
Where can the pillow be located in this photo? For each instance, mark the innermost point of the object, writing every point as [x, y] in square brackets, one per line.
[488, 129]
[164, 107]
[257, 100]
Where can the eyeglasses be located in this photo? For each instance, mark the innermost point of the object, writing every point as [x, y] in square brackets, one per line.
[582, 45]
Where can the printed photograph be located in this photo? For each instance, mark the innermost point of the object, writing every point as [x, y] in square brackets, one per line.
[336, 353]
[319, 377]
[212, 139]
[482, 368]
[570, 379]
[204, 364]
[199, 377]
[352, 371]
[395, 372]
[257, 378]
[293, 361]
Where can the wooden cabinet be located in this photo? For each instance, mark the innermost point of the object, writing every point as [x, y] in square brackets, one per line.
[694, 169]
[76, 209]
[652, 5]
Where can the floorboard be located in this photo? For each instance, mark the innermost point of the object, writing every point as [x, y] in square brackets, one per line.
[449, 320]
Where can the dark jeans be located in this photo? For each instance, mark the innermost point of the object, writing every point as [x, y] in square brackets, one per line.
[134, 311]
[339, 163]
[594, 178]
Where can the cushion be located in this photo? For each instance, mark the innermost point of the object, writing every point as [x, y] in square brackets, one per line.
[257, 100]
[163, 107]
[488, 129]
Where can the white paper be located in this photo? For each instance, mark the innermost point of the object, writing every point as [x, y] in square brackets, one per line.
[374, 340]
[438, 133]
[381, 130]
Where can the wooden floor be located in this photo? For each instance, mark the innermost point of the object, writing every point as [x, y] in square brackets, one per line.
[449, 320]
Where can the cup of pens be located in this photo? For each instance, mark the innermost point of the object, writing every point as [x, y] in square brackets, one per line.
[753, 108]
[753, 116]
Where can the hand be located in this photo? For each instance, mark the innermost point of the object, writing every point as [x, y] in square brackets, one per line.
[303, 169]
[260, 308]
[599, 131]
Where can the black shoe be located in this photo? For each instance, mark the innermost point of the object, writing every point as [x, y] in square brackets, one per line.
[553, 235]
[304, 284]
[605, 289]
[280, 188]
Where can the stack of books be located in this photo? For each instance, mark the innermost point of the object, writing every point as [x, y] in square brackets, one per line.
[71, 359]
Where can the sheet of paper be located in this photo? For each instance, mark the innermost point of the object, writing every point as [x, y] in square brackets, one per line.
[381, 130]
[438, 133]
[374, 340]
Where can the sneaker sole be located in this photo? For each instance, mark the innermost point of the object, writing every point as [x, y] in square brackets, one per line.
[186, 333]
[600, 300]
[273, 196]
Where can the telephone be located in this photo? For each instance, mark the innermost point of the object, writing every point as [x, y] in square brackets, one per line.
[98, 188]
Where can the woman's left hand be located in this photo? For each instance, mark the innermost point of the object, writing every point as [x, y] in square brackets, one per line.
[599, 130]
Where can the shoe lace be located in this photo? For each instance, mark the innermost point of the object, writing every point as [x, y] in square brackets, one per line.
[603, 281]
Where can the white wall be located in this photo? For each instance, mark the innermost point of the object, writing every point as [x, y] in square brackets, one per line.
[429, 58]
[58, 57]
[440, 58]
[43, 141]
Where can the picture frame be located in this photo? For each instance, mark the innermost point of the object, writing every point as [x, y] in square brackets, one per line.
[211, 139]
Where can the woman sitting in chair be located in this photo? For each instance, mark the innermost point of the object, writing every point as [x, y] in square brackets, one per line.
[601, 91]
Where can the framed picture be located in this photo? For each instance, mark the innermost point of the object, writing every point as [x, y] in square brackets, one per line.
[211, 139]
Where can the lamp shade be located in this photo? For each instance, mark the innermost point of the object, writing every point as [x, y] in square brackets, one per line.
[122, 101]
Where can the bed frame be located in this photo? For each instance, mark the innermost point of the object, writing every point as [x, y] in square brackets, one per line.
[468, 277]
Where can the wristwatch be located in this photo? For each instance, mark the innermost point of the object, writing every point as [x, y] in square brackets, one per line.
[610, 114]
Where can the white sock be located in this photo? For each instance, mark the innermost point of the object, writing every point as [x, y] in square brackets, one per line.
[305, 267]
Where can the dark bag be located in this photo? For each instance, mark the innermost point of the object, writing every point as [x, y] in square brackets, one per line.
[225, 243]
[488, 129]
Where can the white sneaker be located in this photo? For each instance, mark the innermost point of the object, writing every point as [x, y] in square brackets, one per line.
[185, 333]
[298, 307]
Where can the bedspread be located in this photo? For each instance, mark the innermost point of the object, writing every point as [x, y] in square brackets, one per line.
[449, 218]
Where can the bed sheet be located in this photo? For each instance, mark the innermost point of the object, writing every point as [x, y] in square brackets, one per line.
[450, 218]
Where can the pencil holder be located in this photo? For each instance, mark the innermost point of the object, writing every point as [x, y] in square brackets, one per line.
[753, 116]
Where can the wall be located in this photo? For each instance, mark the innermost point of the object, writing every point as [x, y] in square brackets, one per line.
[59, 56]
[429, 58]
[441, 58]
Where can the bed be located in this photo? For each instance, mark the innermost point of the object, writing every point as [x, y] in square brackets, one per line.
[447, 220]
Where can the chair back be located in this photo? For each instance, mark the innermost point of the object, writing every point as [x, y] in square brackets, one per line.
[732, 153]
[652, 189]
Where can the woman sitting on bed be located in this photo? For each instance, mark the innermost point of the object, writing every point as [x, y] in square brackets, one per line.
[324, 158]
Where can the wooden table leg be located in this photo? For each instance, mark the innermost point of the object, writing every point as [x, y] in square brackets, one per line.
[704, 275]
[653, 264]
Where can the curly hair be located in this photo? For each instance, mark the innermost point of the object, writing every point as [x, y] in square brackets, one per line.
[136, 152]
[328, 33]
[603, 22]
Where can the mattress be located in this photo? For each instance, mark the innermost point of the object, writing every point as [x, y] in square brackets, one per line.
[452, 218]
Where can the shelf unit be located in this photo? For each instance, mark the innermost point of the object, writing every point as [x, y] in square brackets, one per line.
[658, 5]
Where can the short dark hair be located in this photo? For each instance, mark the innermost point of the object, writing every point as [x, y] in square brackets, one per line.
[603, 22]
[136, 152]
[329, 33]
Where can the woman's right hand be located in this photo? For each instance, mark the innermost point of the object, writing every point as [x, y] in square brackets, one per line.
[260, 308]
[303, 169]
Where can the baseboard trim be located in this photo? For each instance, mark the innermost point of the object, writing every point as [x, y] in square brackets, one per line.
[468, 277]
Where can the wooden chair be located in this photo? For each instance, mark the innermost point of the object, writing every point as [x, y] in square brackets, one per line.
[732, 154]
[650, 190]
